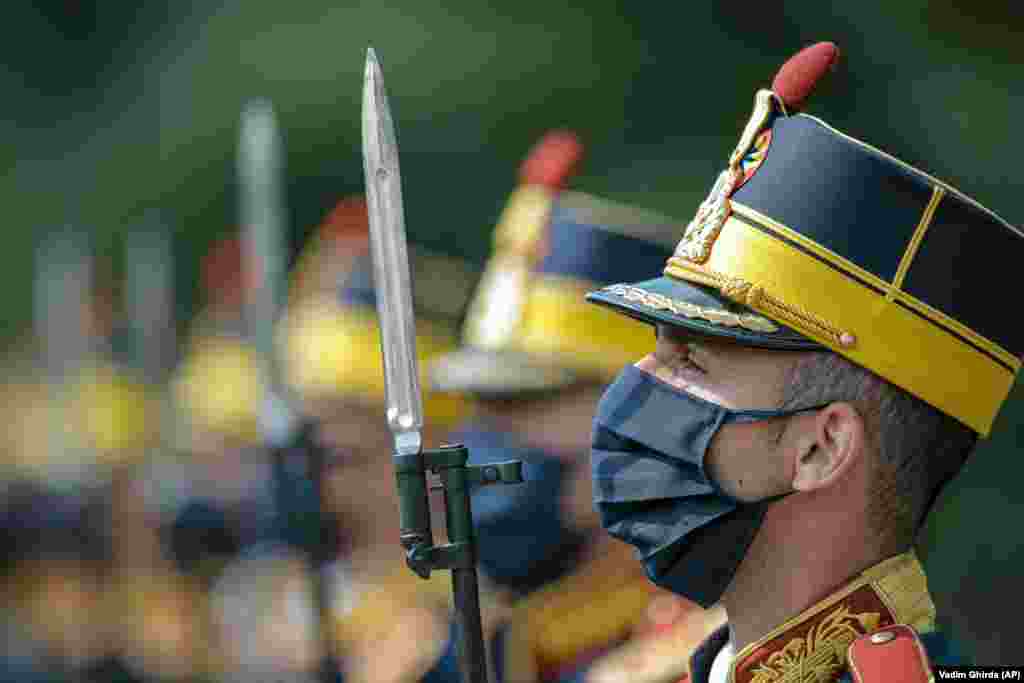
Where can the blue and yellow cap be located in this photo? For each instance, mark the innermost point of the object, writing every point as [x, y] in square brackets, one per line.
[812, 239]
[528, 327]
[330, 337]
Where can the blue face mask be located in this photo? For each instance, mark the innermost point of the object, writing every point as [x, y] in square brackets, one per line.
[523, 539]
[652, 490]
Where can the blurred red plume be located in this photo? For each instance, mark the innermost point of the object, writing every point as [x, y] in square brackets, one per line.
[348, 220]
[553, 160]
[222, 270]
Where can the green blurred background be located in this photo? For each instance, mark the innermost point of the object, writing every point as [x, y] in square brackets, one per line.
[112, 111]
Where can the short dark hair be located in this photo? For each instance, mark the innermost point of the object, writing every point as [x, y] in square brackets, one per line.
[919, 448]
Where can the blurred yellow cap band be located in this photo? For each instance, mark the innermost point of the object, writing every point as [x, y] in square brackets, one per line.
[220, 389]
[556, 323]
[333, 351]
[112, 412]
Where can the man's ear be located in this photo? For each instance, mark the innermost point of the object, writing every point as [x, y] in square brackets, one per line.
[833, 443]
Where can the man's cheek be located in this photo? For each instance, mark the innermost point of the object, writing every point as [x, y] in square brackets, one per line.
[718, 467]
[741, 463]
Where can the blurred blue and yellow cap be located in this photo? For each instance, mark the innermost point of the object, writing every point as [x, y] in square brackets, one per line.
[528, 327]
[330, 338]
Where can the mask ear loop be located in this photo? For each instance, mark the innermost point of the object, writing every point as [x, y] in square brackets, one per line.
[748, 417]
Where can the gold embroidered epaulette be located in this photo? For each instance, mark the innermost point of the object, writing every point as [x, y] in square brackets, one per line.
[813, 645]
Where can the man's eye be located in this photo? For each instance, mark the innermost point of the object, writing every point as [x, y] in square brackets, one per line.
[690, 362]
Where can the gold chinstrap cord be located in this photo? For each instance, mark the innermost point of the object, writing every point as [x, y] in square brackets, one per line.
[754, 296]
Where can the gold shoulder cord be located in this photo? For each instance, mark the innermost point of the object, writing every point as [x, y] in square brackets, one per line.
[756, 297]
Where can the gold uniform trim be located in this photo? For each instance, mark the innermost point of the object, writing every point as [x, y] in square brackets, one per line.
[915, 241]
[755, 297]
[847, 312]
[810, 245]
[821, 652]
[717, 316]
[900, 583]
[712, 213]
[868, 278]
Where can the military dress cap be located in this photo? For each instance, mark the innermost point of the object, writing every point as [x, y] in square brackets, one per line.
[330, 336]
[812, 239]
[528, 328]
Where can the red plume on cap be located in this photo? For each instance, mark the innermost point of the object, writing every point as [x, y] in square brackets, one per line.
[342, 237]
[348, 220]
[222, 271]
[800, 74]
[552, 161]
[347, 227]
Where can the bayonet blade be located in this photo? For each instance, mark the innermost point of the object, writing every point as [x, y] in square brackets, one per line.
[261, 213]
[392, 281]
[149, 283]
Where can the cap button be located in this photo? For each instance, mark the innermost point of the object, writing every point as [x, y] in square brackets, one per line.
[882, 637]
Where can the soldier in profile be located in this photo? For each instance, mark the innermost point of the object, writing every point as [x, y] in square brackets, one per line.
[823, 367]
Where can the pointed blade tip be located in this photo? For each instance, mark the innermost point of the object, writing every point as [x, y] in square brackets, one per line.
[258, 105]
[372, 70]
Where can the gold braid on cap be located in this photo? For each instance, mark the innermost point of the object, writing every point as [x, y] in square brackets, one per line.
[715, 209]
[718, 316]
[694, 248]
[754, 296]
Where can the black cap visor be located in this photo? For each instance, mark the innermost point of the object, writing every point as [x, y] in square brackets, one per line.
[700, 309]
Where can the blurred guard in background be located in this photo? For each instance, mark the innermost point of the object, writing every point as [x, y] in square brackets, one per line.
[265, 611]
[89, 539]
[536, 361]
[227, 497]
[158, 614]
[390, 625]
[233, 530]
